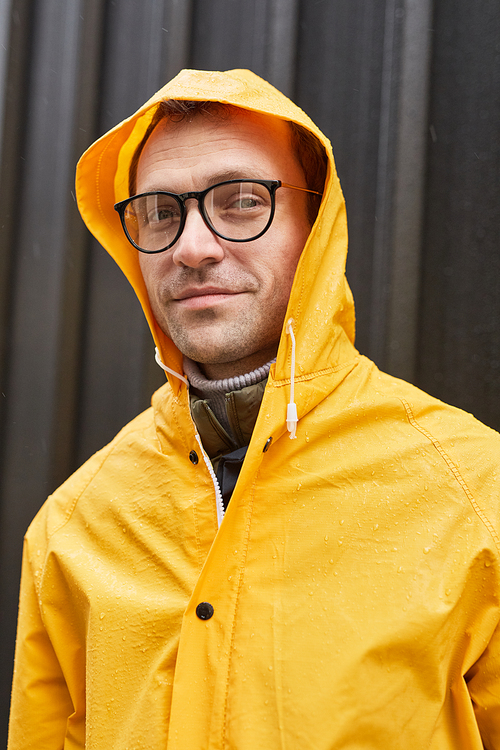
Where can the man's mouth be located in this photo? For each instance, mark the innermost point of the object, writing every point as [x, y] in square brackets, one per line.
[198, 297]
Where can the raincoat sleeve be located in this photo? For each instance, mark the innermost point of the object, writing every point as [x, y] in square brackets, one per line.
[41, 704]
[484, 689]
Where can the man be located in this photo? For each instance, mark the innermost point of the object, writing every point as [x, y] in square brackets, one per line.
[338, 585]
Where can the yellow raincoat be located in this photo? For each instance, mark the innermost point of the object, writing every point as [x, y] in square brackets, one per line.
[354, 578]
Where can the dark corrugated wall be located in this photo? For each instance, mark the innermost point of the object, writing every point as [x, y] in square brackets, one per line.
[459, 342]
[407, 90]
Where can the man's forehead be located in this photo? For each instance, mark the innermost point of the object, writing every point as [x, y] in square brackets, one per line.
[233, 145]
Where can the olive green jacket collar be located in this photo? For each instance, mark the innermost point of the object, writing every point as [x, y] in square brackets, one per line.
[242, 409]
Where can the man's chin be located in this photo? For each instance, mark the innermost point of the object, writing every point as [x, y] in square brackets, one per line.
[206, 351]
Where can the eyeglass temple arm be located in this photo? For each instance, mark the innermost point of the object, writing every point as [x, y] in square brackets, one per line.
[305, 190]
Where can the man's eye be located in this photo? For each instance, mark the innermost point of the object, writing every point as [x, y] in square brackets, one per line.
[163, 214]
[242, 203]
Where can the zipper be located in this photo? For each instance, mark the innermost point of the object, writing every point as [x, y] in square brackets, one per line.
[219, 505]
[218, 494]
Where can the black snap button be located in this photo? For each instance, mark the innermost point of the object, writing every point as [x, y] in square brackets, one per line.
[268, 443]
[193, 457]
[204, 611]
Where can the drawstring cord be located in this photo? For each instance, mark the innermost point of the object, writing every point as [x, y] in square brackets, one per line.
[167, 369]
[291, 409]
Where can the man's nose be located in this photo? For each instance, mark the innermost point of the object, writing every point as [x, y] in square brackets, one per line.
[197, 245]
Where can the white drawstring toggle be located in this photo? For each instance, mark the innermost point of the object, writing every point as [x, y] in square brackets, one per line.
[168, 369]
[291, 409]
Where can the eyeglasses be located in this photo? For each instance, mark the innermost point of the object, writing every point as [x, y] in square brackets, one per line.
[235, 210]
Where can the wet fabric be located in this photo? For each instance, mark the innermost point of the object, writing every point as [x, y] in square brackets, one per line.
[350, 597]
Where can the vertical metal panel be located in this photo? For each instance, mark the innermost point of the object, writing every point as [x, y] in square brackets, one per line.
[282, 45]
[408, 192]
[259, 34]
[382, 246]
[16, 29]
[400, 186]
[229, 34]
[5, 16]
[177, 25]
[459, 353]
[339, 84]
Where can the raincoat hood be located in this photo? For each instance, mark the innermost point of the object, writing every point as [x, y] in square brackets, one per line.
[320, 304]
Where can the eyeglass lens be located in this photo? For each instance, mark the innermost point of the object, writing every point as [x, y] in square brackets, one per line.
[236, 210]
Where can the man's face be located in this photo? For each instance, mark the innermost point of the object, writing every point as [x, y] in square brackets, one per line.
[223, 303]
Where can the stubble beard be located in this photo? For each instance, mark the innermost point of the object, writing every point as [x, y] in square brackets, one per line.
[214, 339]
[215, 336]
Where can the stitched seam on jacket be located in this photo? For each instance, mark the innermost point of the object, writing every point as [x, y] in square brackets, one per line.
[98, 173]
[241, 576]
[124, 433]
[454, 470]
[317, 373]
[77, 498]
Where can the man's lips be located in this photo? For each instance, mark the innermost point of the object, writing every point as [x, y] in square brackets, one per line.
[198, 297]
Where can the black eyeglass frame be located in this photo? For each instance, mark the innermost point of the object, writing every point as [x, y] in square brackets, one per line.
[181, 198]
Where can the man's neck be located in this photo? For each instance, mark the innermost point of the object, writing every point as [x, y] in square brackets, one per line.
[222, 370]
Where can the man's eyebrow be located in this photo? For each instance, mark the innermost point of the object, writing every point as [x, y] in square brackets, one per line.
[230, 174]
[243, 173]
